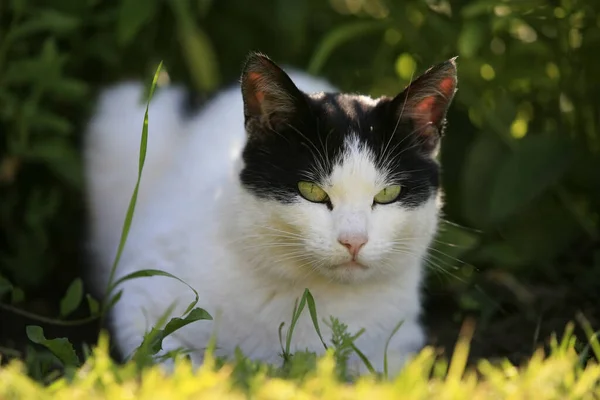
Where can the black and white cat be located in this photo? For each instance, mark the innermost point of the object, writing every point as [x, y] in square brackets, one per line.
[282, 186]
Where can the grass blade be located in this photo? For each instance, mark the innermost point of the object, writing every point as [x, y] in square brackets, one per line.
[312, 308]
[589, 332]
[132, 202]
[144, 273]
[152, 343]
[385, 350]
[363, 358]
[298, 307]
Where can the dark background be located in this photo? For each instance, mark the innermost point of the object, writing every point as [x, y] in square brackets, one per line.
[520, 250]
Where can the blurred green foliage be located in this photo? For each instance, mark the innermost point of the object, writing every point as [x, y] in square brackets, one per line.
[521, 157]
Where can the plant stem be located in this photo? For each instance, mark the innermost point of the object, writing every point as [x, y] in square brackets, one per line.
[47, 320]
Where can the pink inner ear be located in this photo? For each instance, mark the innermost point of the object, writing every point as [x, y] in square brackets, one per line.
[254, 78]
[425, 110]
[431, 108]
[260, 96]
[447, 86]
[425, 106]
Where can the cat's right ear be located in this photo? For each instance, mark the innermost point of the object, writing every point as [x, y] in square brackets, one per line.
[426, 101]
[270, 96]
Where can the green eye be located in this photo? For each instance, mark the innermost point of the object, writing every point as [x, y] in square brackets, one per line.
[388, 195]
[312, 192]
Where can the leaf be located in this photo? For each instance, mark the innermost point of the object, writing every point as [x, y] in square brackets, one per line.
[152, 342]
[60, 157]
[113, 300]
[540, 232]
[479, 174]
[536, 164]
[46, 20]
[93, 304]
[70, 89]
[197, 48]
[312, 308]
[72, 298]
[23, 71]
[17, 295]
[291, 21]
[175, 324]
[196, 314]
[51, 60]
[60, 347]
[133, 15]
[145, 273]
[477, 8]
[471, 38]
[337, 37]
[49, 122]
[5, 286]
[18, 7]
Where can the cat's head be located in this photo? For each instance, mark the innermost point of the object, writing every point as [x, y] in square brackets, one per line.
[343, 186]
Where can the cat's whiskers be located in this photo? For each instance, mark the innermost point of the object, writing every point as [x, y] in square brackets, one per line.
[408, 239]
[390, 159]
[434, 262]
[278, 230]
[436, 267]
[402, 175]
[266, 264]
[279, 134]
[386, 156]
[251, 240]
[292, 258]
[383, 154]
[277, 237]
[446, 255]
[290, 235]
[272, 244]
[321, 160]
[412, 238]
[323, 146]
[312, 270]
[391, 264]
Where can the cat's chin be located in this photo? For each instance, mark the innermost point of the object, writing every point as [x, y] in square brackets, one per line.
[348, 272]
[351, 266]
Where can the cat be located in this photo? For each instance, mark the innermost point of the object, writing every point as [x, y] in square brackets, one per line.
[283, 185]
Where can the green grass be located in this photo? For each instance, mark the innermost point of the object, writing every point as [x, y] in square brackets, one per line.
[564, 373]
[559, 375]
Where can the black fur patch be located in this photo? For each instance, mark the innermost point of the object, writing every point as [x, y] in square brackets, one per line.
[310, 132]
[276, 161]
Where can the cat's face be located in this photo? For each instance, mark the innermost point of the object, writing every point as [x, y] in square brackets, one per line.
[347, 185]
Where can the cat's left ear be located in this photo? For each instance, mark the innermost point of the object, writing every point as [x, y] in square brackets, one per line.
[426, 101]
[270, 96]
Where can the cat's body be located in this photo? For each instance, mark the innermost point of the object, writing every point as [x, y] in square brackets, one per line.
[224, 213]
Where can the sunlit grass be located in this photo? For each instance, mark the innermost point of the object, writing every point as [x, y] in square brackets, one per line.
[560, 375]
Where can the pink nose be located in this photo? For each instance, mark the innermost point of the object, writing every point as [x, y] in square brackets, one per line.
[353, 243]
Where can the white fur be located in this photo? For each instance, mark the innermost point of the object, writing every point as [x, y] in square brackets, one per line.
[249, 259]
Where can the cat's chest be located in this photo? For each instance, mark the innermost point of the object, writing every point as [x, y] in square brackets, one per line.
[259, 322]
